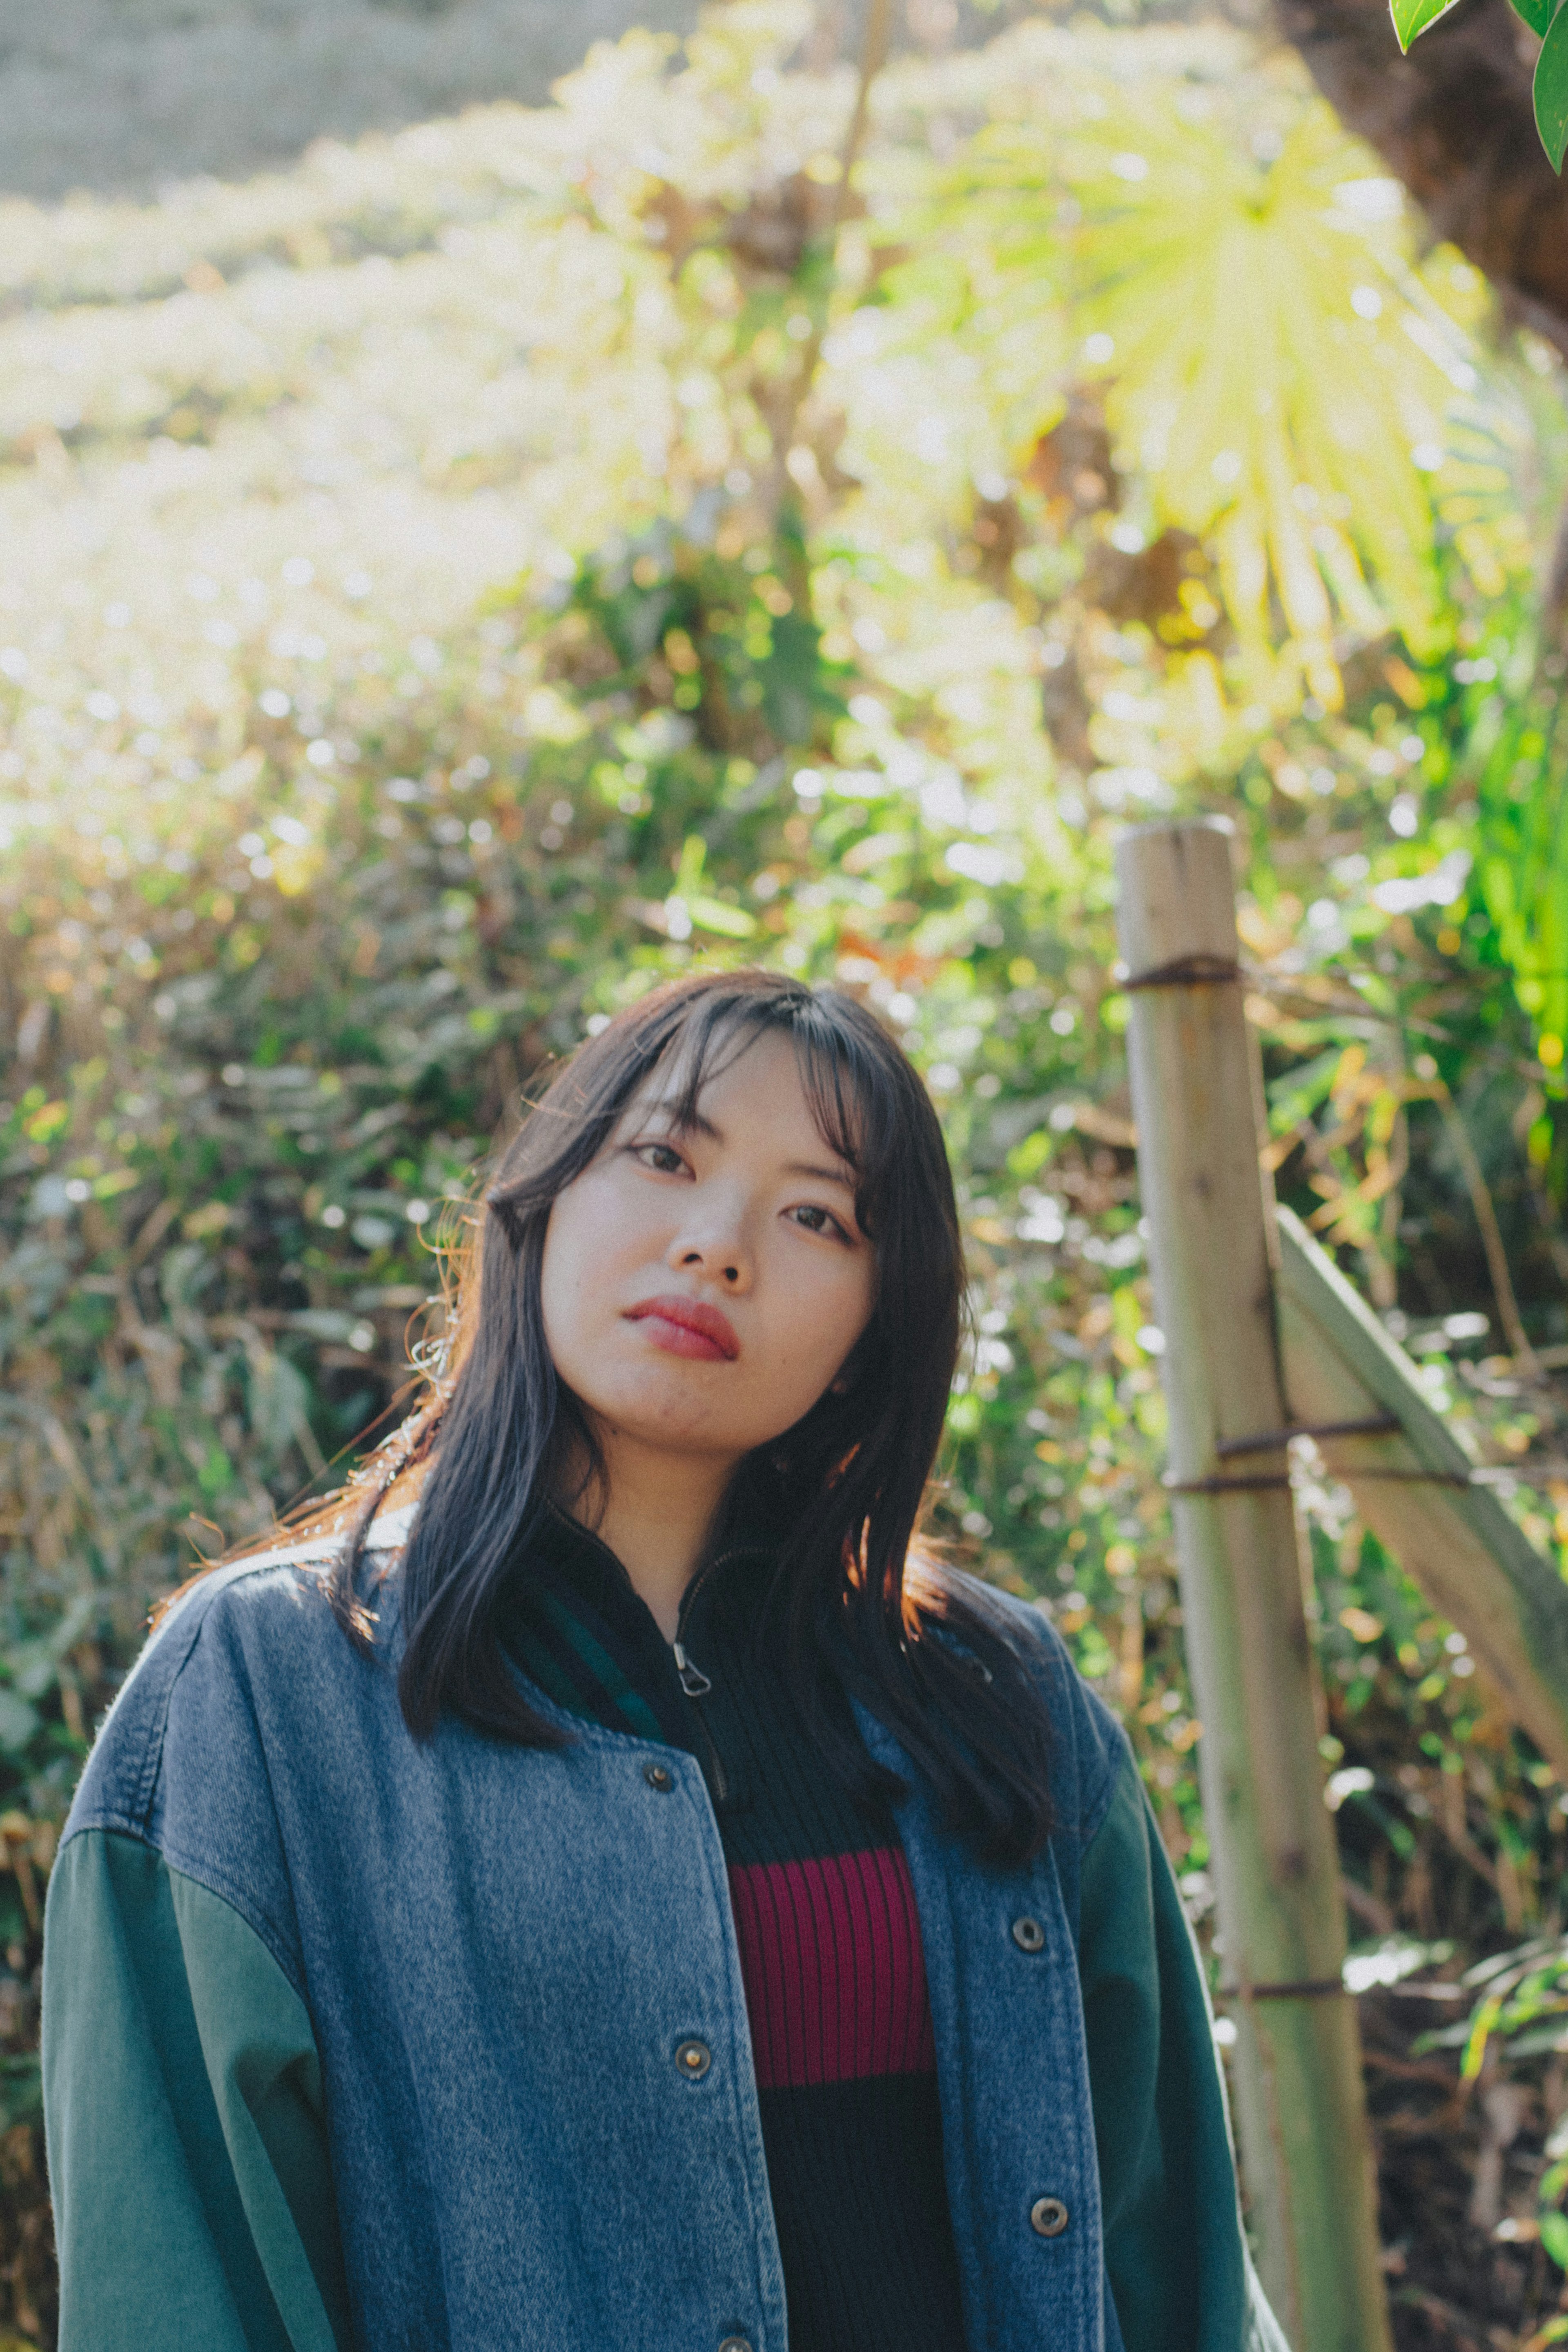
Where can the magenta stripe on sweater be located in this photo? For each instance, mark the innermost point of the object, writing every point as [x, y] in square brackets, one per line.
[834, 1976]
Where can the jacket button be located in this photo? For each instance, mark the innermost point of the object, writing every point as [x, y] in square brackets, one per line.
[1027, 1934]
[693, 2058]
[658, 1778]
[736, 2344]
[1048, 2216]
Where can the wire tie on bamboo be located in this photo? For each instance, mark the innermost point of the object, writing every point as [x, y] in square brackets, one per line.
[1235, 1482]
[1372, 1424]
[1252, 1482]
[1304, 1989]
[1246, 1482]
[1198, 971]
[1415, 1477]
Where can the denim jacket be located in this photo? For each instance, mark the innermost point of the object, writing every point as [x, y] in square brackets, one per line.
[351, 2040]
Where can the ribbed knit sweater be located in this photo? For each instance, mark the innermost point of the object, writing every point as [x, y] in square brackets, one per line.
[827, 1927]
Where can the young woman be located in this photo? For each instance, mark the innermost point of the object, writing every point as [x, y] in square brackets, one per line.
[600, 1889]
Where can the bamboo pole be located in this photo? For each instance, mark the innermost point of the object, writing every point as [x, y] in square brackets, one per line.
[1305, 2148]
[1413, 1486]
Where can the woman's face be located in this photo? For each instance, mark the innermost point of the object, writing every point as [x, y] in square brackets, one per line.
[702, 1288]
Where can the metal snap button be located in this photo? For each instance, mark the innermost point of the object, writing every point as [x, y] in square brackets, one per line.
[658, 1778]
[736, 2344]
[693, 2058]
[1048, 2216]
[1027, 1934]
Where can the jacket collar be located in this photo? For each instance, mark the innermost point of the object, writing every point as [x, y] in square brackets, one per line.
[570, 1560]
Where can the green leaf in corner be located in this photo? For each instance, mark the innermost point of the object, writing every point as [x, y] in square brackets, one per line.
[1552, 88]
[1412, 16]
[1537, 13]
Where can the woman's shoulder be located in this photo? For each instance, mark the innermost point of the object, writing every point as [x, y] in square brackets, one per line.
[1090, 1747]
[269, 1612]
[242, 1658]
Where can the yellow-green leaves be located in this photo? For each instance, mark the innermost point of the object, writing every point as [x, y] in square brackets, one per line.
[1412, 16]
[1552, 88]
[1273, 368]
[1263, 379]
[688, 908]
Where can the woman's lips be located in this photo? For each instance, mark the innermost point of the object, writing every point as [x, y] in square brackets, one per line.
[682, 1327]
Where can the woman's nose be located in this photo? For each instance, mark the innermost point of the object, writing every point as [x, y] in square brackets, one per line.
[730, 1275]
[721, 1255]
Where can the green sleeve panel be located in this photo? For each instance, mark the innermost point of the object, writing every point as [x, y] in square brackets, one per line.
[1175, 2250]
[193, 2194]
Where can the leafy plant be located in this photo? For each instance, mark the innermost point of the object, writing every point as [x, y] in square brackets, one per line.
[1412, 18]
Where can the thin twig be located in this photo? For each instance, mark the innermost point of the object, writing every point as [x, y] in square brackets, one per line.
[1491, 1236]
[1456, 2323]
[1412, 2070]
[873, 56]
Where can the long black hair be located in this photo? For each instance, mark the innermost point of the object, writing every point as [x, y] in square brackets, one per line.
[854, 1607]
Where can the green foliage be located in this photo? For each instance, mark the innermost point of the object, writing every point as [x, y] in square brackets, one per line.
[1550, 86]
[1247, 294]
[1519, 2014]
[1524, 871]
[1544, 18]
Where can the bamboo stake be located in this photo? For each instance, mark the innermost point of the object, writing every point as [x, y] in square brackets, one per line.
[1305, 2148]
[1413, 1486]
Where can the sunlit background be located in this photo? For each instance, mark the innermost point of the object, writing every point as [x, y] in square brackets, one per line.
[466, 558]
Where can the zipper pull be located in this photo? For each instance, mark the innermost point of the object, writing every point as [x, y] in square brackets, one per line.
[693, 1682]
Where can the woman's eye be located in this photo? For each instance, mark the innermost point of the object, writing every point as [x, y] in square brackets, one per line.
[662, 1157]
[817, 1220]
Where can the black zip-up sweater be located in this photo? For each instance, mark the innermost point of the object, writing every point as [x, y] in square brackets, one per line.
[827, 1928]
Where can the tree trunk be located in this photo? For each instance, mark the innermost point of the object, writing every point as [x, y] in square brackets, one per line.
[1454, 122]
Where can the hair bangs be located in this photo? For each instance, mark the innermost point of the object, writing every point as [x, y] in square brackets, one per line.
[854, 1106]
[846, 1085]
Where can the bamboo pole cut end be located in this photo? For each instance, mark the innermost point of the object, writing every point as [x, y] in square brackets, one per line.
[1175, 895]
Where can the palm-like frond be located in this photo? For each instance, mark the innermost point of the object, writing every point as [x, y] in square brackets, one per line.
[1274, 368]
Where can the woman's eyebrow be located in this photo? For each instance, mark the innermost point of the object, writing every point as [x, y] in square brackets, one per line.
[840, 1175]
[684, 1117]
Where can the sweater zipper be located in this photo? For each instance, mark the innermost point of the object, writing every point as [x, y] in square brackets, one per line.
[696, 1685]
[692, 1681]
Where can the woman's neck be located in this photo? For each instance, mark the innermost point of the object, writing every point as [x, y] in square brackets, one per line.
[656, 1511]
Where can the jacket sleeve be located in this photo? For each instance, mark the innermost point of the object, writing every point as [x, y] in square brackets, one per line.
[193, 2194]
[1180, 2274]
